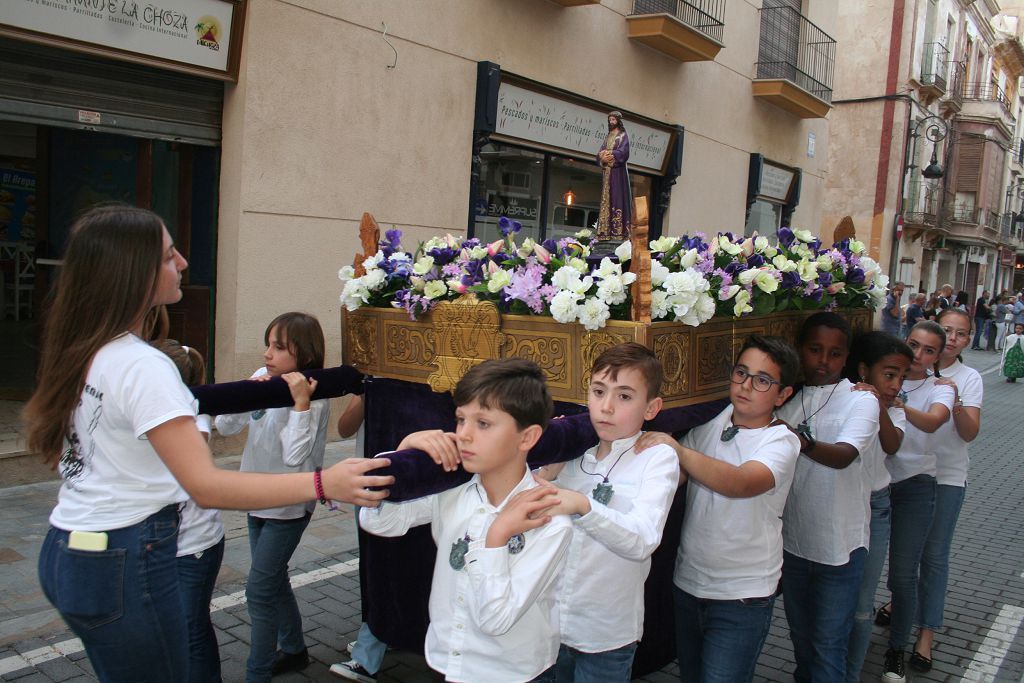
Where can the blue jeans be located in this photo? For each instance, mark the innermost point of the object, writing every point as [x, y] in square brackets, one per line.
[123, 602]
[931, 587]
[611, 666]
[197, 576]
[913, 506]
[276, 621]
[820, 601]
[368, 651]
[979, 327]
[878, 548]
[719, 641]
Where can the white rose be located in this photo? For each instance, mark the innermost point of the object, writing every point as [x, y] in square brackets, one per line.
[658, 273]
[434, 289]
[766, 281]
[563, 306]
[593, 313]
[688, 259]
[804, 235]
[498, 281]
[624, 251]
[423, 266]
[741, 304]
[663, 244]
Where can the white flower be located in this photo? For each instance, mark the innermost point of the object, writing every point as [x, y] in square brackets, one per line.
[770, 252]
[783, 264]
[624, 251]
[346, 273]
[741, 304]
[688, 259]
[434, 289]
[808, 271]
[499, 281]
[681, 282]
[612, 290]
[659, 304]
[566, 277]
[682, 303]
[760, 243]
[658, 273]
[705, 307]
[726, 245]
[856, 247]
[477, 253]
[399, 257]
[584, 234]
[663, 244]
[423, 266]
[577, 264]
[766, 280]
[871, 269]
[877, 295]
[726, 293]
[373, 279]
[371, 262]
[354, 294]
[804, 235]
[882, 281]
[526, 248]
[563, 306]
[747, 246]
[593, 313]
[824, 262]
[747, 277]
[801, 251]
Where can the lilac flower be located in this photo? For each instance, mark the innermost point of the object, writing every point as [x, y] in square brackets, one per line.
[704, 265]
[786, 237]
[525, 286]
[813, 291]
[509, 227]
[451, 269]
[548, 292]
[726, 277]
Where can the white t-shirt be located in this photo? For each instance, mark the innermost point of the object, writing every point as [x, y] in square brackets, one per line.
[495, 619]
[731, 548]
[876, 476]
[601, 594]
[112, 476]
[952, 459]
[825, 518]
[200, 529]
[917, 453]
[281, 440]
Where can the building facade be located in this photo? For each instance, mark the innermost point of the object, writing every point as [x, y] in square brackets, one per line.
[435, 116]
[926, 148]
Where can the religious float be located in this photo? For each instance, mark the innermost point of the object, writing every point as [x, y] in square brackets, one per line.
[414, 321]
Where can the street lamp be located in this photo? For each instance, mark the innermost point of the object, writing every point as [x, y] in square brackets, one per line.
[935, 130]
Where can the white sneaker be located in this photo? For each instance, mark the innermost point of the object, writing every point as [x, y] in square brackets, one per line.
[351, 647]
[352, 671]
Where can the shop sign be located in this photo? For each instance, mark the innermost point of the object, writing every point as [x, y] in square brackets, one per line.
[775, 182]
[190, 35]
[516, 208]
[1007, 257]
[544, 119]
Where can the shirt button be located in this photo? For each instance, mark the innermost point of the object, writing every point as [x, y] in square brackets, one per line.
[455, 653]
[461, 600]
[458, 627]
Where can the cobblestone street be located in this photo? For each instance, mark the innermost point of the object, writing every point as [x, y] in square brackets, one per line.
[984, 610]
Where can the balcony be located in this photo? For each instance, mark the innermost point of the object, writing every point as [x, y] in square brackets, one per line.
[690, 31]
[921, 206]
[954, 100]
[796, 60]
[988, 101]
[974, 224]
[934, 68]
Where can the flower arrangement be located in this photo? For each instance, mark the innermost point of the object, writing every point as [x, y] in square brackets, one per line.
[693, 278]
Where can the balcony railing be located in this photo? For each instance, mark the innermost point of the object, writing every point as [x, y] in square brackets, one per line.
[705, 16]
[794, 49]
[993, 221]
[921, 204]
[934, 65]
[965, 213]
[955, 92]
[989, 92]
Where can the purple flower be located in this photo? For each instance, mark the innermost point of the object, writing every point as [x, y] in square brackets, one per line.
[786, 237]
[791, 280]
[443, 255]
[451, 269]
[824, 279]
[855, 276]
[525, 286]
[813, 291]
[509, 227]
[755, 261]
[391, 243]
[735, 268]
[550, 245]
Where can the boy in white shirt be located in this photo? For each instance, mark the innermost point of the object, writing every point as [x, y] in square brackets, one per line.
[619, 498]
[500, 550]
[740, 466]
[827, 520]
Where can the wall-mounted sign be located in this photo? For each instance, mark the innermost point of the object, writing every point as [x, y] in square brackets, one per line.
[776, 182]
[197, 36]
[553, 122]
[1007, 257]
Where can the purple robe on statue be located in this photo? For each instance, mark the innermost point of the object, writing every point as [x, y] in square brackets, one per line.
[615, 219]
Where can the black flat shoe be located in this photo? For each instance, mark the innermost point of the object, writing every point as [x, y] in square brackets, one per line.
[883, 616]
[286, 662]
[920, 663]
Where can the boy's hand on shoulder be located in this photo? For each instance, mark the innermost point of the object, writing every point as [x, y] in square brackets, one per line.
[349, 480]
[439, 445]
[526, 510]
[548, 473]
[650, 439]
[570, 503]
[301, 388]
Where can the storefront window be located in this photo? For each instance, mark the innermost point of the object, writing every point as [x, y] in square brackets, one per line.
[765, 218]
[552, 196]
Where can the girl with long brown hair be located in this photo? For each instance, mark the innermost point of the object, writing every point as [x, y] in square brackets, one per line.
[112, 414]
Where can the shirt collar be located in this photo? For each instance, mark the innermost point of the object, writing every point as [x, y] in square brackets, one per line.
[619, 446]
[526, 482]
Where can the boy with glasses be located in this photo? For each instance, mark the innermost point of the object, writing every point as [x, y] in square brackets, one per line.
[740, 467]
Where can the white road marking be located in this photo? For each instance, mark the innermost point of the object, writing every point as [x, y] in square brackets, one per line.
[989, 657]
[73, 645]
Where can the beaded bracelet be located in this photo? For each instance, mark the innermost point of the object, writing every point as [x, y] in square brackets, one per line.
[318, 485]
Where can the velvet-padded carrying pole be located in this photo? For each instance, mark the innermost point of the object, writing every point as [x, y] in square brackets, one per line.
[246, 395]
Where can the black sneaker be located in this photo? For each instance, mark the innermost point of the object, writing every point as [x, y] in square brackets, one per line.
[352, 671]
[894, 670]
[287, 661]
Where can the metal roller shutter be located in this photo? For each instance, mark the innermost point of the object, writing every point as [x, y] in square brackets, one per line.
[53, 87]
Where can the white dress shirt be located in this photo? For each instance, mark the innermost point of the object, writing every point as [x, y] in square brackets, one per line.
[495, 619]
[951, 457]
[601, 594]
[826, 516]
[281, 440]
[917, 452]
[731, 548]
[876, 475]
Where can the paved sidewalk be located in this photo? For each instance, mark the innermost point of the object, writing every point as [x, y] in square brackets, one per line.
[983, 640]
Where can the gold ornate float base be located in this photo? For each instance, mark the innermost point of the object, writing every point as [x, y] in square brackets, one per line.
[438, 349]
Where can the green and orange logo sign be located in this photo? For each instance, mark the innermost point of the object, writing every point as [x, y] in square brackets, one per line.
[208, 30]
